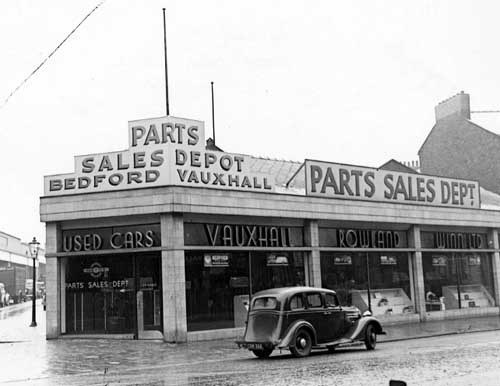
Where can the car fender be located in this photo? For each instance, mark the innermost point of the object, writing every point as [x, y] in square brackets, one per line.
[292, 329]
[360, 328]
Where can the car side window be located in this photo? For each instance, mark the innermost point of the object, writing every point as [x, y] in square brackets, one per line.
[314, 300]
[331, 300]
[296, 302]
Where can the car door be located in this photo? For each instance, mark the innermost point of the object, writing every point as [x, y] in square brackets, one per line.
[298, 310]
[334, 317]
[316, 315]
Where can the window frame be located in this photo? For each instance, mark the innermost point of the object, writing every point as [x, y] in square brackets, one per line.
[334, 296]
[308, 305]
[298, 295]
[275, 308]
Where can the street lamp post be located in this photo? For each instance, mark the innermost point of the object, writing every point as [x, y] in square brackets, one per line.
[34, 247]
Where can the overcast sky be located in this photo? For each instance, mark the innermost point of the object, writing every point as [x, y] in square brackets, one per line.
[352, 82]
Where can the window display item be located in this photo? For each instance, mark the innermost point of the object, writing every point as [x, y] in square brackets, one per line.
[383, 301]
[472, 295]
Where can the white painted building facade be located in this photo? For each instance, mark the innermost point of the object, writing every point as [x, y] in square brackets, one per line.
[168, 240]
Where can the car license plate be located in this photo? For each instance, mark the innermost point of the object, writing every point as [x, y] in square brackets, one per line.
[254, 346]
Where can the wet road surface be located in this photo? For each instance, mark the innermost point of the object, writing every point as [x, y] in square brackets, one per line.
[464, 359]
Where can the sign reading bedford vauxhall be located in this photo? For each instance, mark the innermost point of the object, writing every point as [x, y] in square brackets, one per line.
[333, 180]
[162, 151]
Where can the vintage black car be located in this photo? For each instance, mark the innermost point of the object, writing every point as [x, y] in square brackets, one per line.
[304, 318]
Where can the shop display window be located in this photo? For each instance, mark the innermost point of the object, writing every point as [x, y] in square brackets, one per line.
[274, 270]
[378, 281]
[457, 280]
[101, 294]
[220, 284]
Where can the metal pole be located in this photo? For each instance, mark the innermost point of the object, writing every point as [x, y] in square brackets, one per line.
[457, 257]
[33, 296]
[166, 68]
[213, 112]
[368, 293]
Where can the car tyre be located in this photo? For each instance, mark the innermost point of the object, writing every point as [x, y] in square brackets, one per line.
[263, 353]
[302, 345]
[370, 337]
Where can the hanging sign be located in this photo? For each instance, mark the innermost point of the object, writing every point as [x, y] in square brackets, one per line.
[388, 260]
[439, 261]
[474, 260]
[332, 180]
[273, 260]
[342, 260]
[210, 260]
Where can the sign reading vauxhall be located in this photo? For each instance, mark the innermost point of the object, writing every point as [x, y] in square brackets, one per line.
[333, 180]
[162, 151]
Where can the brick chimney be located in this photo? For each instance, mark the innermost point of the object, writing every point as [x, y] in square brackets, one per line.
[458, 105]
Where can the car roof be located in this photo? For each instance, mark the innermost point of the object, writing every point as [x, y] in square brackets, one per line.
[284, 292]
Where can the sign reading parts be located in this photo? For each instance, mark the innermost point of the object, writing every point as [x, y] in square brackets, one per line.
[333, 180]
[162, 151]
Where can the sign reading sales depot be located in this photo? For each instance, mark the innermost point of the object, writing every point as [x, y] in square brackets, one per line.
[360, 183]
[162, 151]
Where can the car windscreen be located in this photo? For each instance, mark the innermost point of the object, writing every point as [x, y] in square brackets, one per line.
[265, 303]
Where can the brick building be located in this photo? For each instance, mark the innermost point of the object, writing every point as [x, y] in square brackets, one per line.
[458, 147]
[16, 264]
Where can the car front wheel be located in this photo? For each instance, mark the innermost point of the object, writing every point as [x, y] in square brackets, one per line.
[370, 337]
[303, 344]
[264, 353]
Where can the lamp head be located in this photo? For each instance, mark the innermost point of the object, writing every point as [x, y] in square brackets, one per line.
[34, 247]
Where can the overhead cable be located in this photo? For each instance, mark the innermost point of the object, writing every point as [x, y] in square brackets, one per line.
[50, 55]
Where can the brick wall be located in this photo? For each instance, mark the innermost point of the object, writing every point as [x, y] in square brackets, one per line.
[459, 148]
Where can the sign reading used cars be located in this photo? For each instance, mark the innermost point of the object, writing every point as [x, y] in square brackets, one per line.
[324, 179]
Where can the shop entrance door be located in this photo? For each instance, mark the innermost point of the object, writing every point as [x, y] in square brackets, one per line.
[149, 294]
[119, 311]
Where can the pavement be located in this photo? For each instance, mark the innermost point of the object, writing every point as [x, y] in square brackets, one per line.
[439, 328]
[34, 360]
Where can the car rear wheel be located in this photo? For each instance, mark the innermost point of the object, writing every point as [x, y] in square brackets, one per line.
[264, 353]
[370, 337]
[303, 344]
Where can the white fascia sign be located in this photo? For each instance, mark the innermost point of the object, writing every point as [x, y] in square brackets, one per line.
[166, 151]
[333, 180]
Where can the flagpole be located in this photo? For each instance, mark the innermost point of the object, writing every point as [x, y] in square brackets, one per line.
[166, 68]
[213, 112]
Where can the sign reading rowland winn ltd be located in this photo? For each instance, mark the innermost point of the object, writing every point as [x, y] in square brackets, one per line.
[162, 151]
[333, 180]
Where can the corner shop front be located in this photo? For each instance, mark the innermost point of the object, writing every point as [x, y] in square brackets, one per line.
[219, 231]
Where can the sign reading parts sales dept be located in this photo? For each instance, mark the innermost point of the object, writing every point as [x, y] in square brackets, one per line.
[332, 180]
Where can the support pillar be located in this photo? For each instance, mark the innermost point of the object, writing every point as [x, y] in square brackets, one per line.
[311, 238]
[495, 263]
[53, 280]
[173, 278]
[418, 271]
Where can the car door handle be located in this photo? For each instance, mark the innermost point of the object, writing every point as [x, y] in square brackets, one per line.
[327, 313]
